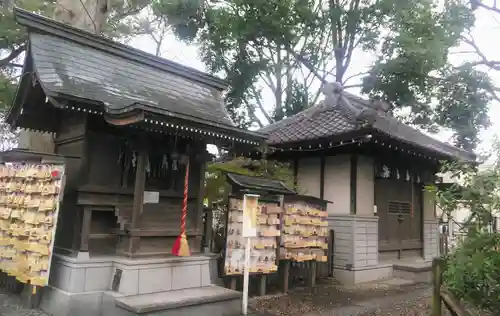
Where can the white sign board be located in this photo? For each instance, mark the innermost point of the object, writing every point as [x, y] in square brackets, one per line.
[250, 210]
[250, 222]
[151, 197]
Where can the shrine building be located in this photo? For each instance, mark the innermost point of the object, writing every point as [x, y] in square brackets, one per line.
[373, 169]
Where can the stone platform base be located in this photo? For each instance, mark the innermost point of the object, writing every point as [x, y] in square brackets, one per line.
[209, 300]
[363, 275]
[60, 303]
[80, 286]
[416, 271]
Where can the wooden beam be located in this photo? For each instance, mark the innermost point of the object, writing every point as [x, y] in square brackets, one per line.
[453, 304]
[159, 232]
[354, 183]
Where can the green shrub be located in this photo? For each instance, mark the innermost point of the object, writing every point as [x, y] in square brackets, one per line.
[473, 271]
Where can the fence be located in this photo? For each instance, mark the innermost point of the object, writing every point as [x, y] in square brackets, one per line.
[441, 295]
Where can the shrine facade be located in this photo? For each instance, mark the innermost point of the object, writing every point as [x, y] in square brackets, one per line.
[127, 125]
[374, 170]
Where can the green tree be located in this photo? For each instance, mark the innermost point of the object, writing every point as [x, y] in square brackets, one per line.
[110, 18]
[117, 24]
[217, 188]
[472, 268]
[412, 40]
[476, 190]
[248, 42]
[471, 272]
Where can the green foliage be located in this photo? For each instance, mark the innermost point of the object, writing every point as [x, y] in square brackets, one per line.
[13, 37]
[473, 267]
[216, 186]
[473, 189]
[7, 90]
[255, 43]
[472, 271]
[413, 70]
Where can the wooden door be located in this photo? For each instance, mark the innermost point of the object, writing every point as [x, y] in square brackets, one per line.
[394, 199]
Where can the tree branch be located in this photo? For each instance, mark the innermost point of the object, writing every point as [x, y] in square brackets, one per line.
[479, 4]
[251, 112]
[260, 105]
[493, 64]
[354, 76]
[15, 52]
[14, 65]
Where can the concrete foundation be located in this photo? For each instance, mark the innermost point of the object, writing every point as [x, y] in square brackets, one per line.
[431, 239]
[80, 286]
[356, 249]
[356, 255]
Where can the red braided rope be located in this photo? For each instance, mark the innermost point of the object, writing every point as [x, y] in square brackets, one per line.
[185, 201]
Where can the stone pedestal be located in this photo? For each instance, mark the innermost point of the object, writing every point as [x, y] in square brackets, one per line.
[356, 249]
[431, 239]
[77, 286]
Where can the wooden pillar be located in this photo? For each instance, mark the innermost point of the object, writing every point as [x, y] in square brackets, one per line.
[262, 285]
[295, 172]
[199, 202]
[285, 270]
[354, 183]
[312, 273]
[436, 293]
[209, 228]
[322, 178]
[77, 230]
[86, 223]
[139, 186]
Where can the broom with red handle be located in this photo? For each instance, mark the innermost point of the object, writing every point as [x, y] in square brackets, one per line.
[181, 246]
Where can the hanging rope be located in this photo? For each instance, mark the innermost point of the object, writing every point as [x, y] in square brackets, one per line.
[181, 246]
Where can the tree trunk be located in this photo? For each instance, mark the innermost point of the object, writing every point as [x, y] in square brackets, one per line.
[88, 15]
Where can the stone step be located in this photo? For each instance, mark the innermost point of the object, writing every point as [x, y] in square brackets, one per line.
[209, 300]
[416, 271]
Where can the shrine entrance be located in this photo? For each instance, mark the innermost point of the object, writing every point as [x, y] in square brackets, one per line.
[398, 202]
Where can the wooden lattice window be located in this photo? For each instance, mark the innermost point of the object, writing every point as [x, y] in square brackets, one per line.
[399, 207]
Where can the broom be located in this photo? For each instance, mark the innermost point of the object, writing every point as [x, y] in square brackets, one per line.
[181, 246]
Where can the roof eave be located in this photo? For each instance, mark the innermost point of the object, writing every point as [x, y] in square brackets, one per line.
[459, 156]
[20, 96]
[49, 26]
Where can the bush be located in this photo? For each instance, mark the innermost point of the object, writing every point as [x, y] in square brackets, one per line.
[472, 271]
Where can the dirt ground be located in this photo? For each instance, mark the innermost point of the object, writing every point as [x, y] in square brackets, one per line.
[387, 298]
[328, 297]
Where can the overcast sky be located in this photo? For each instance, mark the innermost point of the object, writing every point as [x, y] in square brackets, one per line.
[487, 25]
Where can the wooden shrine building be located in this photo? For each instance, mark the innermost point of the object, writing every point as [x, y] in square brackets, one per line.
[127, 123]
[373, 168]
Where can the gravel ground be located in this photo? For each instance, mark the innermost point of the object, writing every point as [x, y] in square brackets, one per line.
[326, 299]
[10, 305]
[376, 299]
[366, 300]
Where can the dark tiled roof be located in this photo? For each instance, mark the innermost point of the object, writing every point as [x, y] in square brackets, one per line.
[258, 184]
[67, 68]
[73, 63]
[324, 121]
